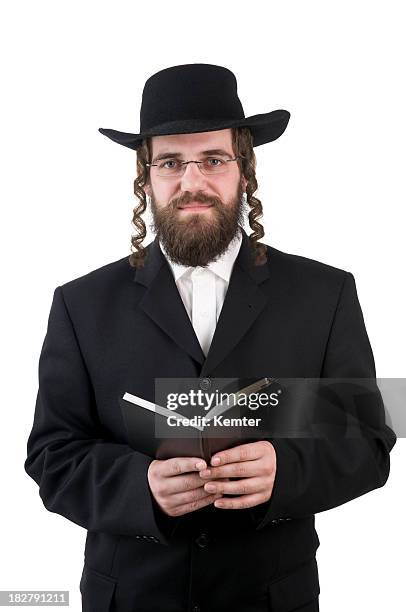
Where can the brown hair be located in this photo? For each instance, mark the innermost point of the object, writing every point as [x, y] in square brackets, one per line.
[243, 147]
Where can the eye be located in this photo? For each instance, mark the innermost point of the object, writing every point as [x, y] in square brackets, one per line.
[216, 161]
[169, 161]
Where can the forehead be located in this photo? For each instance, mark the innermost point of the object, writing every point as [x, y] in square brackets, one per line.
[194, 143]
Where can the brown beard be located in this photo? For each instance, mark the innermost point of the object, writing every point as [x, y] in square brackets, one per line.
[196, 239]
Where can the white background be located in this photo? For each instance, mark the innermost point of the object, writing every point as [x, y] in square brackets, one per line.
[332, 187]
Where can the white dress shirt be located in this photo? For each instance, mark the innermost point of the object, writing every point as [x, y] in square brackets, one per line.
[203, 290]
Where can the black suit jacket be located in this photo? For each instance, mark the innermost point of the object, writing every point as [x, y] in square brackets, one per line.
[117, 329]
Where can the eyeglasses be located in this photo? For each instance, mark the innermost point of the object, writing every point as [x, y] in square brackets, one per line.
[210, 166]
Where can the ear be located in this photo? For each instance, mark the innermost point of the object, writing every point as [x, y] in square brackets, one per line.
[244, 182]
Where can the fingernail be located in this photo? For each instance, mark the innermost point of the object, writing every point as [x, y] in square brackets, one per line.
[200, 465]
[210, 488]
[205, 473]
[215, 461]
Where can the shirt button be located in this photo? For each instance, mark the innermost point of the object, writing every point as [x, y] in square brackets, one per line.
[196, 609]
[202, 541]
[205, 384]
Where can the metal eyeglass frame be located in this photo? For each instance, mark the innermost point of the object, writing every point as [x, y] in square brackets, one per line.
[185, 163]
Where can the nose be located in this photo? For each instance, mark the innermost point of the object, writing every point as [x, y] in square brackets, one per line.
[192, 178]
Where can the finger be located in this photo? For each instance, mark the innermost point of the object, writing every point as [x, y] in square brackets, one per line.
[196, 505]
[242, 469]
[180, 465]
[182, 483]
[240, 503]
[243, 452]
[187, 497]
[246, 486]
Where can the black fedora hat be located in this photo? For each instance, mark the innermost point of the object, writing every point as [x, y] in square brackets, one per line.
[196, 98]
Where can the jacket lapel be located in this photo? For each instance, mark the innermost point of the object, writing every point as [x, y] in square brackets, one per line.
[163, 304]
[243, 303]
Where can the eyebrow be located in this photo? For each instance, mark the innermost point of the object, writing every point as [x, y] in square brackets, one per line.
[170, 154]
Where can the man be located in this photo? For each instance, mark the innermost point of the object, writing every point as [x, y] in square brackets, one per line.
[204, 300]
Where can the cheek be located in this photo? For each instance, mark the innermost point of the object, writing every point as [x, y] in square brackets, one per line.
[230, 188]
[163, 193]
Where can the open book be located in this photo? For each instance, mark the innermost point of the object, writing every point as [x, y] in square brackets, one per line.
[162, 433]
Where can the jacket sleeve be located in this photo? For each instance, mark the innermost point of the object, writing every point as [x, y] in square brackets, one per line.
[82, 475]
[316, 474]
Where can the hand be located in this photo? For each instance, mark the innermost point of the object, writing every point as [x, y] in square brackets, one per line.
[177, 487]
[255, 463]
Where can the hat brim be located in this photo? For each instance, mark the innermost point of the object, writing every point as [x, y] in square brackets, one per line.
[265, 128]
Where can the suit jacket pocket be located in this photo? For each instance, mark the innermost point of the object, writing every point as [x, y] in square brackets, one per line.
[296, 589]
[97, 590]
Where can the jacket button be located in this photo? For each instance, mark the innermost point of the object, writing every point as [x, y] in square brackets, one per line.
[205, 384]
[203, 540]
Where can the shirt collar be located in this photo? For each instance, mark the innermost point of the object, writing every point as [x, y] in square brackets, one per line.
[222, 266]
